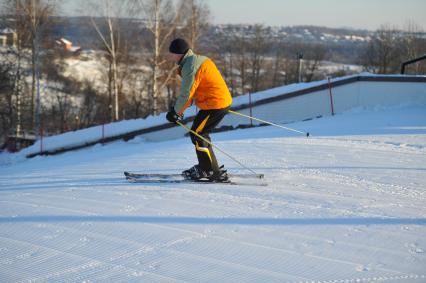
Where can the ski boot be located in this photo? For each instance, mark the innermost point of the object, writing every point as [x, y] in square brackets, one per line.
[196, 173]
[220, 176]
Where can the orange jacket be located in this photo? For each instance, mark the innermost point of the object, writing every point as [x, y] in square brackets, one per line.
[201, 83]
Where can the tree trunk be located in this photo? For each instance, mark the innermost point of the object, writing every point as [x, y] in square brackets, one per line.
[114, 70]
[156, 59]
[33, 83]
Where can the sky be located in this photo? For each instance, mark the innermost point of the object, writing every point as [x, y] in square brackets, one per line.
[366, 14]
[362, 14]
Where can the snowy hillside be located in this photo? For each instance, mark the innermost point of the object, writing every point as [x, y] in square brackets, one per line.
[346, 205]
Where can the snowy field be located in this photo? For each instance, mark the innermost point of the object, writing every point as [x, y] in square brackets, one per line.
[346, 205]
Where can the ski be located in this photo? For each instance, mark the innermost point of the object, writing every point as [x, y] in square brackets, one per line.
[176, 181]
[161, 178]
[176, 175]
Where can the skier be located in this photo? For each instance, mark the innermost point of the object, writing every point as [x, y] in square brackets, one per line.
[203, 84]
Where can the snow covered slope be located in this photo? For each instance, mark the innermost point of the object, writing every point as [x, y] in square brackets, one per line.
[346, 205]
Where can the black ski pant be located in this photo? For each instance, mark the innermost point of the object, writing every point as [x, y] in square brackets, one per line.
[205, 121]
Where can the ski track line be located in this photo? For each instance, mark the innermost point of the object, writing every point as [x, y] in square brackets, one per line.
[87, 213]
[272, 198]
[110, 203]
[347, 179]
[204, 235]
[93, 263]
[321, 258]
[198, 233]
[369, 185]
[81, 211]
[168, 247]
[383, 191]
[356, 181]
[224, 194]
[367, 279]
[144, 250]
[344, 243]
[129, 255]
[289, 233]
[357, 144]
[232, 195]
[221, 238]
[115, 204]
[293, 203]
[238, 265]
[308, 255]
[183, 230]
[334, 198]
[275, 249]
[381, 187]
[77, 198]
[46, 187]
[375, 145]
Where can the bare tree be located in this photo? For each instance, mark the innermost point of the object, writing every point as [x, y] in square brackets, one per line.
[313, 55]
[30, 22]
[241, 57]
[94, 106]
[59, 108]
[383, 54]
[6, 99]
[20, 27]
[162, 20]
[136, 103]
[195, 17]
[110, 11]
[35, 15]
[258, 46]
[278, 69]
[413, 46]
[242, 62]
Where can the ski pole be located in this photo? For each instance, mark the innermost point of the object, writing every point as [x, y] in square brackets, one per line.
[260, 176]
[269, 123]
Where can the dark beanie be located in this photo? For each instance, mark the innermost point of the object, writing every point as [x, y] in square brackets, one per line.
[178, 46]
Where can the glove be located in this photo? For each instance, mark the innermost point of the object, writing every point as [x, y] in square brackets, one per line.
[172, 116]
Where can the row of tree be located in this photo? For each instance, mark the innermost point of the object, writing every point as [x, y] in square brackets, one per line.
[391, 46]
[137, 79]
[136, 74]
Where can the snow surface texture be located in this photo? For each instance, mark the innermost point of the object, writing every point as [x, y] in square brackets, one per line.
[345, 205]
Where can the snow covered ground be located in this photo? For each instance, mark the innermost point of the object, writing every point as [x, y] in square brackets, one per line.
[345, 205]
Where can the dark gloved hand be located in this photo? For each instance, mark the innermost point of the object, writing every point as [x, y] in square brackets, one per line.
[172, 116]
